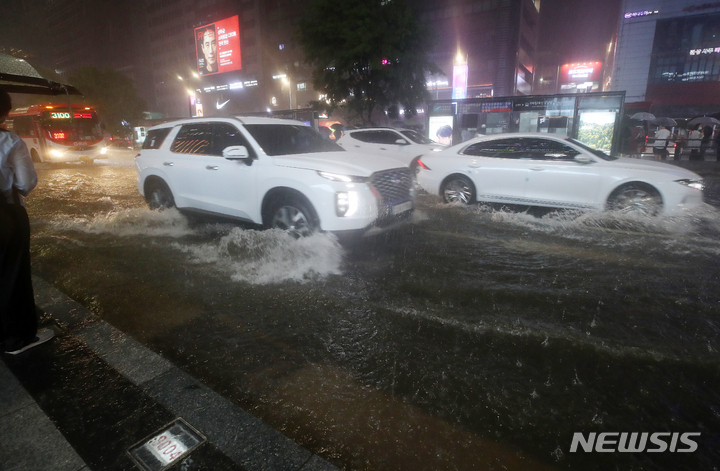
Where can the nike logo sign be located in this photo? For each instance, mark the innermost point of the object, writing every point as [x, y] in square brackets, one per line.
[219, 105]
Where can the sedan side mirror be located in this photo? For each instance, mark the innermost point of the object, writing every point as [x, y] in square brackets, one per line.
[583, 159]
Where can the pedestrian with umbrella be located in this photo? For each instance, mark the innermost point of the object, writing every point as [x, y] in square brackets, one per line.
[694, 141]
[662, 136]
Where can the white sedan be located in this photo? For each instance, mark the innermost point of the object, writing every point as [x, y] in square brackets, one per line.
[540, 169]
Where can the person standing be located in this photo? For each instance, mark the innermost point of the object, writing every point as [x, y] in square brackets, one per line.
[18, 314]
[694, 139]
[680, 141]
[661, 141]
[706, 140]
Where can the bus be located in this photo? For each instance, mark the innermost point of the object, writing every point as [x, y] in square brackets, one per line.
[59, 132]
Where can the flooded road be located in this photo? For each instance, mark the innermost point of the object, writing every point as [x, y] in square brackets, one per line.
[475, 338]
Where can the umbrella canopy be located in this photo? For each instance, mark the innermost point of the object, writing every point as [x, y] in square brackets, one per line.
[667, 122]
[643, 116]
[704, 120]
[17, 76]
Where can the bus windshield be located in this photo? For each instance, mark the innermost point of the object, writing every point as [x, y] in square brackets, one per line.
[66, 125]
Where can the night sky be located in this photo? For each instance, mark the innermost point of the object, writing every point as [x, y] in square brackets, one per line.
[577, 30]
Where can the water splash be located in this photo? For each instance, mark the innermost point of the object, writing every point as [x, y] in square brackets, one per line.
[131, 222]
[272, 256]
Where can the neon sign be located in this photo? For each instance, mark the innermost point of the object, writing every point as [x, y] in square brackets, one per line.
[639, 14]
[707, 50]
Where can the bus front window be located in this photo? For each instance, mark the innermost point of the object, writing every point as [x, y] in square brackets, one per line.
[61, 126]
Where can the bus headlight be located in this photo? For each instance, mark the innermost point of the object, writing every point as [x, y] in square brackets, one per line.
[56, 153]
[103, 150]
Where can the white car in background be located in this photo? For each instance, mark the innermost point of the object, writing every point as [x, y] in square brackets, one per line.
[404, 144]
[275, 172]
[540, 169]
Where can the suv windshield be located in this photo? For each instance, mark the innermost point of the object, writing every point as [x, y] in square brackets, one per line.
[599, 153]
[283, 139]
[417, 138]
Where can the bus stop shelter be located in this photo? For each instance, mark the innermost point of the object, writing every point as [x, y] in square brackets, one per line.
[592, 118]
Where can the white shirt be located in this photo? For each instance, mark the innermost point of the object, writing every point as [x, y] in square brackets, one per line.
[694, 139]
[661, 138]
[16, 166]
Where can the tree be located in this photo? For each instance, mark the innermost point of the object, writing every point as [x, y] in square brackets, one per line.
[366, 54]
[113, 95]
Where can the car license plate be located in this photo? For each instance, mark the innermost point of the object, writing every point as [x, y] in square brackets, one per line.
[166, 447]
[402, 207]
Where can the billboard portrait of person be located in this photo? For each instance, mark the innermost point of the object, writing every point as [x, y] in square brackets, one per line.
[207, 50]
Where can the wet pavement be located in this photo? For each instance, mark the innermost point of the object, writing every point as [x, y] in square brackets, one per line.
[473, 338]
[86, 397]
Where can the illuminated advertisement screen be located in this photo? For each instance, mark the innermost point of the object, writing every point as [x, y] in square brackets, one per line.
[585, 72]
[460, 81]
[218, 46]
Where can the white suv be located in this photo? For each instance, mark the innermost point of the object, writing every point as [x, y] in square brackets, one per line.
[275, 172]
[403, 144]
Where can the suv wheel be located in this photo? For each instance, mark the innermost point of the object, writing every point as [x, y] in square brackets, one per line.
[159, 196]
[292, 216]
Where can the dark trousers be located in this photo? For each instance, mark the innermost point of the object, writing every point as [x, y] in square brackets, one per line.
[18, 318]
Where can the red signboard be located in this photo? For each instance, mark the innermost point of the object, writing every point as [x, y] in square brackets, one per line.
[218, 46]
[583, 72]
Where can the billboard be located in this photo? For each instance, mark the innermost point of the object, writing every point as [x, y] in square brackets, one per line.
[460, 81]
[218, 46]
[583, 72]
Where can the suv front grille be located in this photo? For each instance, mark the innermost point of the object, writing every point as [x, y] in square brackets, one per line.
[396, 189]
[394, 186]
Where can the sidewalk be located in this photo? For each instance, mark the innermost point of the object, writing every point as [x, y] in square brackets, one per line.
[86, 397]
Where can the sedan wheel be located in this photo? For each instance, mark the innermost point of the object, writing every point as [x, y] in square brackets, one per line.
[458, 189]
[294, 218]
[636, 198]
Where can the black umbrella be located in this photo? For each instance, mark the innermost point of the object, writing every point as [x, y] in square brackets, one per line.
[667, 122]
[704, 120]
[17, 76]
[643, 116]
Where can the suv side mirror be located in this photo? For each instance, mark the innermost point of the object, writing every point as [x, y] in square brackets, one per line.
[401, 142]
[237, 153]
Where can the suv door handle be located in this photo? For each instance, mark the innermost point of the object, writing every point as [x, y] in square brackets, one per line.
[212, 167]
[537, 169]
[474, 165]
[168, 164]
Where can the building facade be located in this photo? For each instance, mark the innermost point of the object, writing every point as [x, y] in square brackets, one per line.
[668, 56]
[496, 39]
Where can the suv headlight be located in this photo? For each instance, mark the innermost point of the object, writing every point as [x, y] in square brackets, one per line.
[696, 184]
[346, 203]
[343, 178]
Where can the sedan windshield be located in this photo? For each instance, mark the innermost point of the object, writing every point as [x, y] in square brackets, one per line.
[587, 148]
[417, 138]
[284, 139]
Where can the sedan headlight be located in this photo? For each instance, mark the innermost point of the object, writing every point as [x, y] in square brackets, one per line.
[696, 184]
[342, 178]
